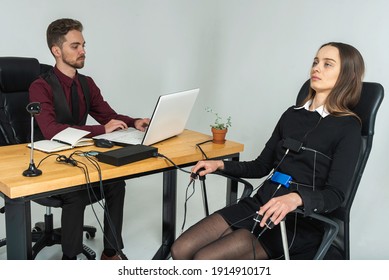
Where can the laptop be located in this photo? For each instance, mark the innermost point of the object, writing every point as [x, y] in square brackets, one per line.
[169, 119]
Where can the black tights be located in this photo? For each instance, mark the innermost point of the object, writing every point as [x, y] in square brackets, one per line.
[213, 239]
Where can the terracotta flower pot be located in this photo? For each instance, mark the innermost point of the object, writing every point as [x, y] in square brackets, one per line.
[219, 135]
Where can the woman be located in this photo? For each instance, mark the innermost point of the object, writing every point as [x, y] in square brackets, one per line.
[316, 144]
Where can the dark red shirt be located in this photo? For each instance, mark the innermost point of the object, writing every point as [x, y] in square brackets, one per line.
[41, 91]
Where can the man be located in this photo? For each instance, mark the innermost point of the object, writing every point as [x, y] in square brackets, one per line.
[66, 99]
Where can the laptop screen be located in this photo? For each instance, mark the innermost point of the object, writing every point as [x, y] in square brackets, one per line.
[170, 116]
[169, 119]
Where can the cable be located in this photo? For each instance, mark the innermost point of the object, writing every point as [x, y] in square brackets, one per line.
[103, 203]
[50, 155]
[267, 178]
[272, 172]
[175, 165]
[315, 151]
[293, 238]
[313, 128]
[198, 145]
[269, 223]
[192, 182]
[90, 190]
[314, 172]
[300, 184]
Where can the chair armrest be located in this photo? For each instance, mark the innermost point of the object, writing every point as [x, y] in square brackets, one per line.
[331, 229]
[248, 187]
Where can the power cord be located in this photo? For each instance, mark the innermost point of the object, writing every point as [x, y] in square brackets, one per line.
[102, 201]
[90, 189]
[192, 182]
[172, 162]
[198, 145]
[46, 157]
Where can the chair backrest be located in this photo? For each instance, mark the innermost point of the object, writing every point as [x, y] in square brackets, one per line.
[16, 76]
[367, 108]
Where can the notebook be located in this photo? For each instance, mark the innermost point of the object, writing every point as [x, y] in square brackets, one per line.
[66, 139]
[169, 119]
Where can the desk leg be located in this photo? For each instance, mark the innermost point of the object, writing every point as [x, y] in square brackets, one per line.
[18, 229]
[232, 188]
[169, 206]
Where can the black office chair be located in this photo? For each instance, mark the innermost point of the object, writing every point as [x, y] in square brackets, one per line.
[16, 75]
[366, 109]
[336, 239]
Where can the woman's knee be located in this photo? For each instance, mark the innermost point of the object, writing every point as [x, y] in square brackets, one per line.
[177, 251]
[201, 255]
[184, 247]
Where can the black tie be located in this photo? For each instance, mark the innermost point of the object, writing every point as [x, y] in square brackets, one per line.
[75, 105]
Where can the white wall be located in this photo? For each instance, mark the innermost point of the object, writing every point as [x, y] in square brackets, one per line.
[248, 57]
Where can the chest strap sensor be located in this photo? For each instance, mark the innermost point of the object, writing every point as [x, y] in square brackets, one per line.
[281, 178]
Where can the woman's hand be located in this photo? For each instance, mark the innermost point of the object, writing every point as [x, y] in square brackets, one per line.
[208, 166]
[277, 207]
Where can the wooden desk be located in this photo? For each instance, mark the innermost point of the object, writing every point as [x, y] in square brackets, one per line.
[18, 191]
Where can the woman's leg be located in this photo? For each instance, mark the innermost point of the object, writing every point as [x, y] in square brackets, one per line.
[212, 238]
[199, 235]
[240, 244]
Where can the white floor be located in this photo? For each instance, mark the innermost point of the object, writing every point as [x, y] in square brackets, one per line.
[143, 210]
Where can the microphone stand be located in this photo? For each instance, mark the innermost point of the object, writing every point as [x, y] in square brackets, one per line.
[33, 108]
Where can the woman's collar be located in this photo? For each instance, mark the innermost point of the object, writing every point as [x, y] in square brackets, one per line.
[321, 109]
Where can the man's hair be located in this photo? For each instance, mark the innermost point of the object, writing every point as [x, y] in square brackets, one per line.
[57, 30]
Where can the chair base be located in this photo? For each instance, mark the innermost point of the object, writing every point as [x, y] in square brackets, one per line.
[44, 235]
[43, 240]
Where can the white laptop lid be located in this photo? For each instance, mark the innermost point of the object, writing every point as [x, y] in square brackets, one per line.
[169, 119]
[170, 116]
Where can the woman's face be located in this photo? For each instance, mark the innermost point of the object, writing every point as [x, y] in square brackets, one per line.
[325, 69]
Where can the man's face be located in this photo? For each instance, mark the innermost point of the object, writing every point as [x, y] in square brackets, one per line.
[72, 52]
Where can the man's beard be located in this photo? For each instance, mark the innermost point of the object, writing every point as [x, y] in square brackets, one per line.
[77, 64]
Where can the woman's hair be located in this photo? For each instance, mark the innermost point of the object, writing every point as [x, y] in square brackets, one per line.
[347, 89]
[57, 30]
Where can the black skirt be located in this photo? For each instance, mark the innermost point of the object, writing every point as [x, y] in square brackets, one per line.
[304, 234]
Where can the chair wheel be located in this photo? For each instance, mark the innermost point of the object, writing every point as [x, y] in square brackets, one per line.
[40, 226]
[90, 235]
[36, 229]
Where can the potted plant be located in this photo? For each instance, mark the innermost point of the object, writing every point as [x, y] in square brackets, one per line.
[219, 128]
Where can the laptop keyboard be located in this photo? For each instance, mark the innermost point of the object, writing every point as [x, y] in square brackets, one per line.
[124, 136]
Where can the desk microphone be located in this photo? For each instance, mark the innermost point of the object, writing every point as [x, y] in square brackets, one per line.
[34, 108]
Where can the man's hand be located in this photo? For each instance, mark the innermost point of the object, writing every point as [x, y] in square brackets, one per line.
[113, 125]
[142, 124]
